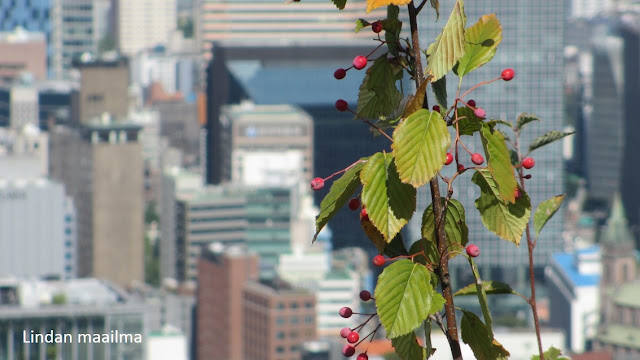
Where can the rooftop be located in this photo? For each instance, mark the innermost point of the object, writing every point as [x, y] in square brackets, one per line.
[628, 295]
[626, 336]
[566, 262]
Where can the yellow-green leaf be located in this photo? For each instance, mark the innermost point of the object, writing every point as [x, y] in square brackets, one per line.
[403, 297]
[499, 161]
[545, 211]
[389, 202]
[481, 41]
[454, 226]
[475, 334]
[489, 287]
[420, 146]
[468, 122]
[504, 219]
[416, 101]
[378, 94]
[449, 46]
[407, 347]
[374, 4]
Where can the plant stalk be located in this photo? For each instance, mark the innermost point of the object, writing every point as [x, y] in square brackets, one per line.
[438, 210]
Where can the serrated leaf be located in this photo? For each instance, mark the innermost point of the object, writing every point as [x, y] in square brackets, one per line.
[482, 298]
[454, 226]
[468, 122]
[416, 101]
[396, 247]
[392, 28]
[388, 201]
[361, 24]
[514, 157]
[435, 4]
[440, 90]
[524, 119]
[374, 4]
[378, 95]
[475, 334]
[429, 248]
[340, 192]
[494, 122]
[507, 220]
[551, 354]
[548, 138]
[407, 347]
[373, 234]
[545, 211]
[340, 4]
[420, 146]
[403, 297]
[449, 45]
[481, 41]
[499, 162]
[490, 288]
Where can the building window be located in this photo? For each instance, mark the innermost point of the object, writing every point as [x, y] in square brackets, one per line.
[280, 306]
[308, 319]
[280, 321]
[294, 305]
[294, 319]
[280, 349]
[308, 305]
[280, 335]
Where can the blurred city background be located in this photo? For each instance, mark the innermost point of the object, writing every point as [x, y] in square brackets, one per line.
[155, 160]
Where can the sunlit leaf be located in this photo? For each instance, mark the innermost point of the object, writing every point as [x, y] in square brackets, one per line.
[551, 354]
[435, 4]
[499, 162]
[449, 45]
[545, 211]
[548, 138]
[420, 145]
[490, 288]
[361, 24]
[524, 119]
[374, 4]
[481, 41]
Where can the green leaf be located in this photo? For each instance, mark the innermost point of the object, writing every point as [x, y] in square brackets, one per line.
[392, 28]
[374, 4]
[468, 123]
[435, 4]
[490, 288]
[403, 297]
[514, 157]
[551, 354]
[475, 334]
[449, 46]
[524, 119]
[389, 202]
[340, 192]
[420, 146]
[499, 162]
[378, 95]
[416, 101]
[548, 138]
[361, 24]
[494, 122]
[340, 4]
[396, 247]
[504, 219]
[454, 226]
[430, 249]
[407, 347]
[481, 41]
[482, 298]
[545, 211]
[440, 90]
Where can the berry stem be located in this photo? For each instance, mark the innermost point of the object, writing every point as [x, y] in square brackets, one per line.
[377, 47]
[371, 124]
[480, 84]
[372, 334]
[357, 328]
[343, 170]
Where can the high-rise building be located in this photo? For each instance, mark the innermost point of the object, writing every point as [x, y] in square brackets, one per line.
[23, 51]
[222, 275]
[143, 24]
[533, 46]
[78, 33]
[101, 166]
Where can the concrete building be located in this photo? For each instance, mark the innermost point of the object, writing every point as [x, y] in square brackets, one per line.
[101, 166]
[573, 283]
[177, 72]
[78, 21]
[222, 275]
[277, 319]
[74, 309]
[104, 87]
[23, 52]
[179, 124]
[143, 24]
[168, 344]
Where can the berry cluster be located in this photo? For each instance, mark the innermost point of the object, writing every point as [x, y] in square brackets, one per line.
[353, 335]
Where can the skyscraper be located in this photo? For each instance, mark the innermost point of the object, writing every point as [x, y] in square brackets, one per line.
[533, 46]
[143, 24]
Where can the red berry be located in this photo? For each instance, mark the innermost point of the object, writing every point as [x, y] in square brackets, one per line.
[473, 250]
[362, 356]
[479, 113]
[346, 312]
[342, 105]
[344, 332]
[353, 337]
[518, 194]
[359, 62]
[363, 214]
[378, 260]
[376, 26]
[365, 295]
[348, 350]
[471, 103]
[436, 108]
[317, 183]
[460, 168]
[449, 159]
[340, 73]
[354, 204]
[528, 163]
[508, 74]
[477, 159]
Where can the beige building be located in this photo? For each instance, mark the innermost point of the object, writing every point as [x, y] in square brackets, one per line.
[143, 24]
[101, 166]
[22, 52]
